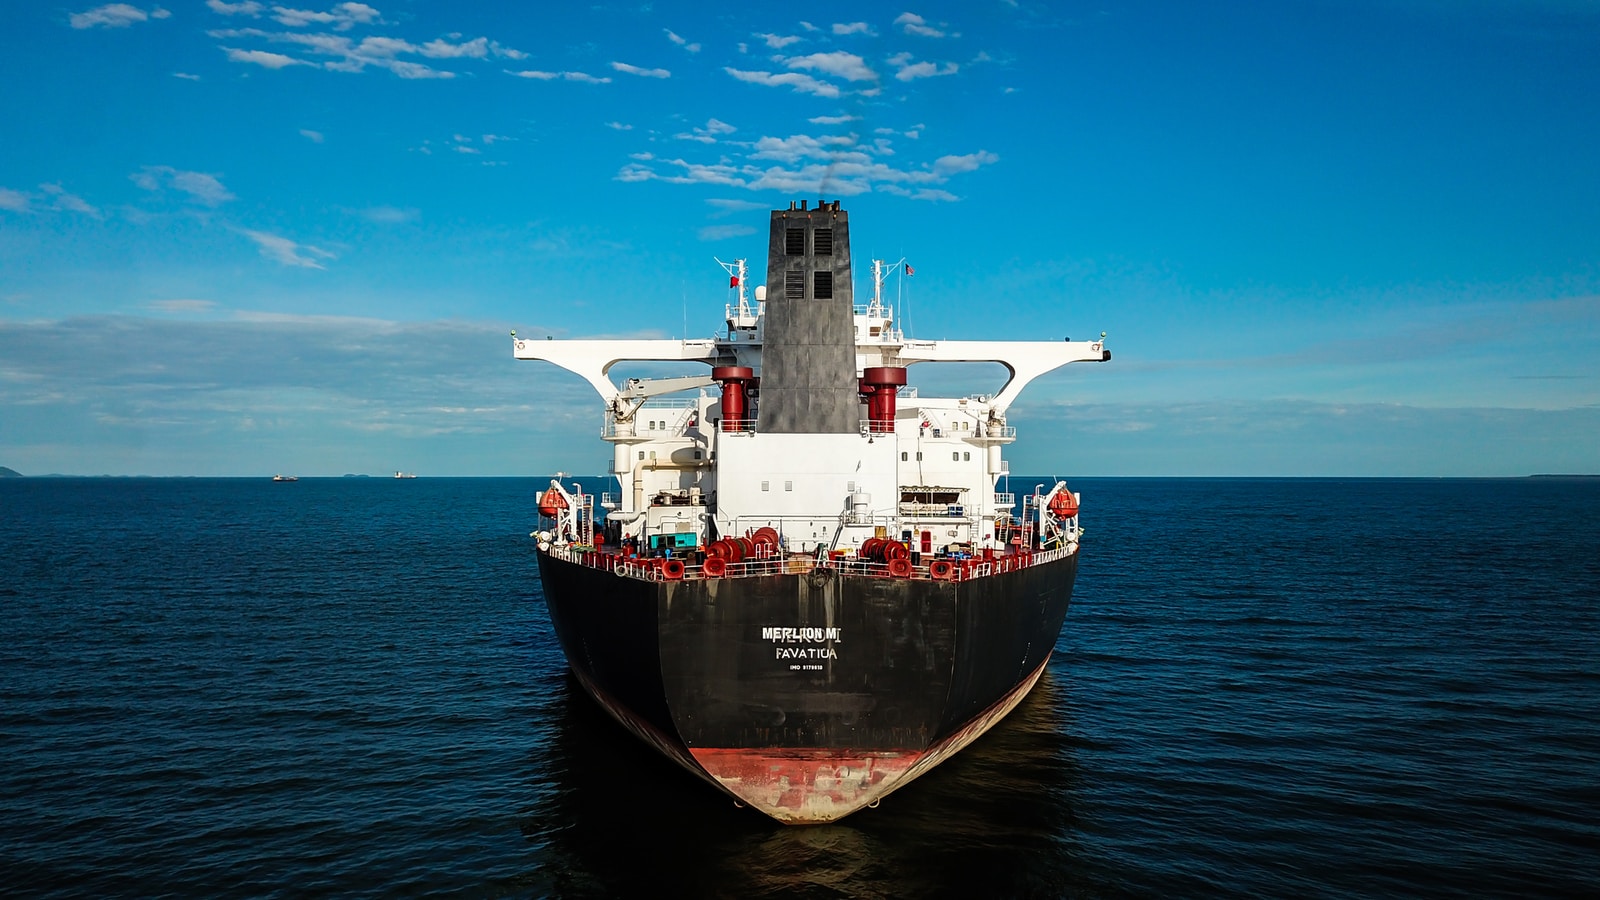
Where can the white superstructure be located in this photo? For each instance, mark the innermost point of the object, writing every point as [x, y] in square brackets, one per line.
[689, 471]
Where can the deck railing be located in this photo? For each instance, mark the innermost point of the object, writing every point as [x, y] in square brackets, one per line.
[968, 569]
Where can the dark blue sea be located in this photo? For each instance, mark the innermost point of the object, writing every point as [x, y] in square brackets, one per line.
[350, 687]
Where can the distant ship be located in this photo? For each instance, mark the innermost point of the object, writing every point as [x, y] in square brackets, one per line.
[813, 587]
[404, 475]
[285, 478]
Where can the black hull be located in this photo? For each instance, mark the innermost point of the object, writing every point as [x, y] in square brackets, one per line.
[808, 695]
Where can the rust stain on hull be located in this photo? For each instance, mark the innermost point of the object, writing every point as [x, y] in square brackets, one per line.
[816, 786]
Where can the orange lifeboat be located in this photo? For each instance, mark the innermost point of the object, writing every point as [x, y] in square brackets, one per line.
[552, 503]
[1064, 505]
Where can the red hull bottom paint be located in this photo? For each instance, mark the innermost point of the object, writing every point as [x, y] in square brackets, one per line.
[814, 786]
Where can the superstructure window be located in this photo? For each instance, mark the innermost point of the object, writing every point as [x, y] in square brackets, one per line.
[794, 284]
[822, 285]
[794, 242]
[822, 242]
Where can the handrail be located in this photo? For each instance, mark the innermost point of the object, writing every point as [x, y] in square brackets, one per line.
[648, 569]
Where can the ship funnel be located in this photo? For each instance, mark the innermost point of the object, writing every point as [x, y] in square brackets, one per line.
[808, 363]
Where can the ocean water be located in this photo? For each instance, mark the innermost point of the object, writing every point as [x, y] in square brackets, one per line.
[350, 687]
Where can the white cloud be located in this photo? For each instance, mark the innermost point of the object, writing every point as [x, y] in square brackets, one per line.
[389, 215]
[185, 76]
[314, 137]
[115, 15]
[778, 42]
[925, 70]
[342, 16]
[806, 164]
[635, 70]
[16, 201]
[948, 165]
[619, 126]
[723, 232]
[708, 134]
[804, 84]
[477, 48]
[564, 76]
[915, 24]
[288, 252]
[799, 146]
[725, 207]
[69, 202]
[842, 28]
[246, 8]
[206, 188]
[263, 58]
[181, 306]
[681, 41]
[838, 63]
[831, 120]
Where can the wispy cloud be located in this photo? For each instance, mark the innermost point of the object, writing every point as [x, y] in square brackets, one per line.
[70, 202]
[338, 52]
[906, 70]
[618, 126]
[727, 207]
[264, 58]
[636, 70]
[342, 17]
[560, 76]
[115, 15]
[389, 215]
[288, 252]
[246, 8]
[681, 41]
[314, 137]
[843, 28]
[912, 23]
[16, 201]
[831, 120]
[801, 83]
[206, 188]
[181, 306]
[779, 41]
[724, 232]
[839, 63]
[186, 76]
[708, 134]
[832, 164]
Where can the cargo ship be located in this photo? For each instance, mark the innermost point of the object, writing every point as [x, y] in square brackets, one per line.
[812, 584]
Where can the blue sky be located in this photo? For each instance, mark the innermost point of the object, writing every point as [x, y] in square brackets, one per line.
[1325, 238]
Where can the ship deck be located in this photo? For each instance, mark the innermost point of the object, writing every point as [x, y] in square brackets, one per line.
[981, 565]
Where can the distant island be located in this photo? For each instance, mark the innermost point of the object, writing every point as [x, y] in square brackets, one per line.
[1564, 476]
[9, 473]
